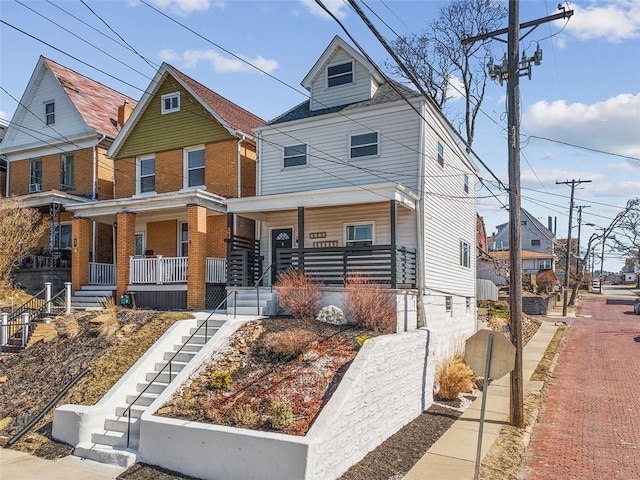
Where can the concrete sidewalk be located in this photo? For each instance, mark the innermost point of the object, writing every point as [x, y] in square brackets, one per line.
[453, 456]
[22, 466]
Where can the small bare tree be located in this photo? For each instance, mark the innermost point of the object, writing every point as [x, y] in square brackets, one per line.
[20, 231]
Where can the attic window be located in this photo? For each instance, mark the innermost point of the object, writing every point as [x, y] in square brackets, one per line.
[340, 74]
[50, 113]
[170, 102]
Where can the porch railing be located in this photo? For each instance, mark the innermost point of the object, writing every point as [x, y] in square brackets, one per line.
[216, 270]
[331, 265]
[102, 273]
[161, 270]
[244, 263]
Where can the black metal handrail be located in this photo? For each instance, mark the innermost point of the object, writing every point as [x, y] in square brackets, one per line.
[257, 285]
[127, 411]
[48, 407]
[27, 305]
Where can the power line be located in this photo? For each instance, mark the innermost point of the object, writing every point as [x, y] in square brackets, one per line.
[585, 148]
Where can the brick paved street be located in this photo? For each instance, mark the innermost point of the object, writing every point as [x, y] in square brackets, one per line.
[589, 427]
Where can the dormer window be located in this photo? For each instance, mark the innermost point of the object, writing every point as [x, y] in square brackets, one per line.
[50, 113]
[340, 74]
[170, 102]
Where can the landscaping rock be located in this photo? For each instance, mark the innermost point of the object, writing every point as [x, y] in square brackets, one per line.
[333, 315]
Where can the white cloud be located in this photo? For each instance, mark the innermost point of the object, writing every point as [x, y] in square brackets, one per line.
[337, 7]
[549, 176]
[559, 41]
[184, 7]
[624, 189]
[191, 58]
[611, 125]
[5, 117]
[628, 166]
[614, 21]
[456, 88]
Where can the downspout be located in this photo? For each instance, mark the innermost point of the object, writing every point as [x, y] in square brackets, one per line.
[420, 225]
[94, 195]
[6, 179]
[239, 169]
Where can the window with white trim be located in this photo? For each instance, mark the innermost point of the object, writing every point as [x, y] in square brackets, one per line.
[535, 242]
[66, 171]
[441, 154]
[465, 180]
[194, 166]
[465, 254]
[340, 74]
[62, 237]
[139, 245]
[170, 102]
[358, 235]
[363, 145]
[545, 264]
[50, 113]
[146, 174]
[35, 171]
[183, 241]
[295, 155]
[448, 304]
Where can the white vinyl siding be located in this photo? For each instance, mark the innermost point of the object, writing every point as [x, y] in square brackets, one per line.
[327, 139]
[323, 96]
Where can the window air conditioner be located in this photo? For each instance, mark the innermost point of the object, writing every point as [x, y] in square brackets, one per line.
[35, 187]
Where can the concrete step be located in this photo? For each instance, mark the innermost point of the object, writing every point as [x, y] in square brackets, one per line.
[143, 400]
[155, 387]
[180, 357]
[189, 348]
[106, 454]
[93, 293]
[136, 411]
[195, 340]
[120, 424]
[88, 299]
[175, 366]
[115, 439]
[108, 288]
[246, 310]
[208, 331]
[162, 378]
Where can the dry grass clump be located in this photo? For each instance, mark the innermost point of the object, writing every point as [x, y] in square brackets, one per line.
[288, 344]
[280, 414]
[454, 377]
[104, 325]
[13, 297]
[219, 380]
[298, 293]
[67, 326]
[370, 305]
[245, 415]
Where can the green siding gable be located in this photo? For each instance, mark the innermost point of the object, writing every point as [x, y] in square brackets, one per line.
[155, 132]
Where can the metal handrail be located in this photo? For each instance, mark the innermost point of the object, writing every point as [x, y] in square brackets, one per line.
[127, 411]
[25, 306]
[257, 284]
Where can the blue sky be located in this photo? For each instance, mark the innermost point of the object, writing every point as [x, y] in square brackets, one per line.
[585, 93]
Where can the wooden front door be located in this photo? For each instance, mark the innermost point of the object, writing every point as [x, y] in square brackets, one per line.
[280, 238]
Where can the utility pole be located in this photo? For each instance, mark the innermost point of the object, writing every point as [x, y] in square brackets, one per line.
[511, 69]
[574, 293]
[573, 184]
[604, 239]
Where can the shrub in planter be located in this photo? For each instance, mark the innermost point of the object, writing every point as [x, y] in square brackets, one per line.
[370, 305]
[280, 414]
[333, 315]
[298, 293]
[288, 343]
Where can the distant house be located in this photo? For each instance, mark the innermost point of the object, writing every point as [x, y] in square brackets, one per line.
[55, 149]
[353, 180]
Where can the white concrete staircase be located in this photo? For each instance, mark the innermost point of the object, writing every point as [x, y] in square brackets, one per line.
[113, 443]
[91, 297]
[248, 302]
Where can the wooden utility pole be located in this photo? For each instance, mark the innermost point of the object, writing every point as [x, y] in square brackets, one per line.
[511, 70]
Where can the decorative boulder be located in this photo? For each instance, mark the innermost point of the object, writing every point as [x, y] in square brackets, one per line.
[333, 315]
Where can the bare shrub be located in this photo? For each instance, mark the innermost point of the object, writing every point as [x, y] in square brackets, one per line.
[289, 343]
[370, 305]
[454, 377]
[20, 230]
[280, 414]
[298, 293]
[67, 326]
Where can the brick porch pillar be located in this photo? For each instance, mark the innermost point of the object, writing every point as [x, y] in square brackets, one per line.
[125, 249]
[81, 245]
[197, 254]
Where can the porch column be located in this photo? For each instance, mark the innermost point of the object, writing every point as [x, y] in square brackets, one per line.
[393, 221]
[125, 249]
[81, 244]
[301, 238]
[197, 253]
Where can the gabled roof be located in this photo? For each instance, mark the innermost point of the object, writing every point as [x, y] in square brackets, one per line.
[336, 43]
[95, 102]
[235, 119]
[384, 94]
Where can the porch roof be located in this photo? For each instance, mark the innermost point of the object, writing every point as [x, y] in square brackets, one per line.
[256, 207]
[41, 199]
[165, 204]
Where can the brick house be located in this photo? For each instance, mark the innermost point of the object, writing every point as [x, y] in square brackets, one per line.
[183, 153]
[55, 149]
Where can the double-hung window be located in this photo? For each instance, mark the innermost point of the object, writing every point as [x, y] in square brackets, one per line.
[170, 102]
[340, 74]
[295, 155]
[465, 180]
[50, 113]
[359, 235]
[36, 171]
[364, 145]
[441, 154]
[544, 264]
[146, 175]
[66, 171]
[183, 240]
[448, 304]
[465, 254]
[194, 166]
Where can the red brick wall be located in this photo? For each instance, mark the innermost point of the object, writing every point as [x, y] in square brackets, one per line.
[196, 286]
[162, 237]
[126, 246]
[81, 246]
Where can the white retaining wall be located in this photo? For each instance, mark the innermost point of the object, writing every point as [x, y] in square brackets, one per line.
[389, 383]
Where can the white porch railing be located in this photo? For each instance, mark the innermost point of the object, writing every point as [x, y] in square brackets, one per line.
[216, 270]
[161, 270]
[102, 273]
